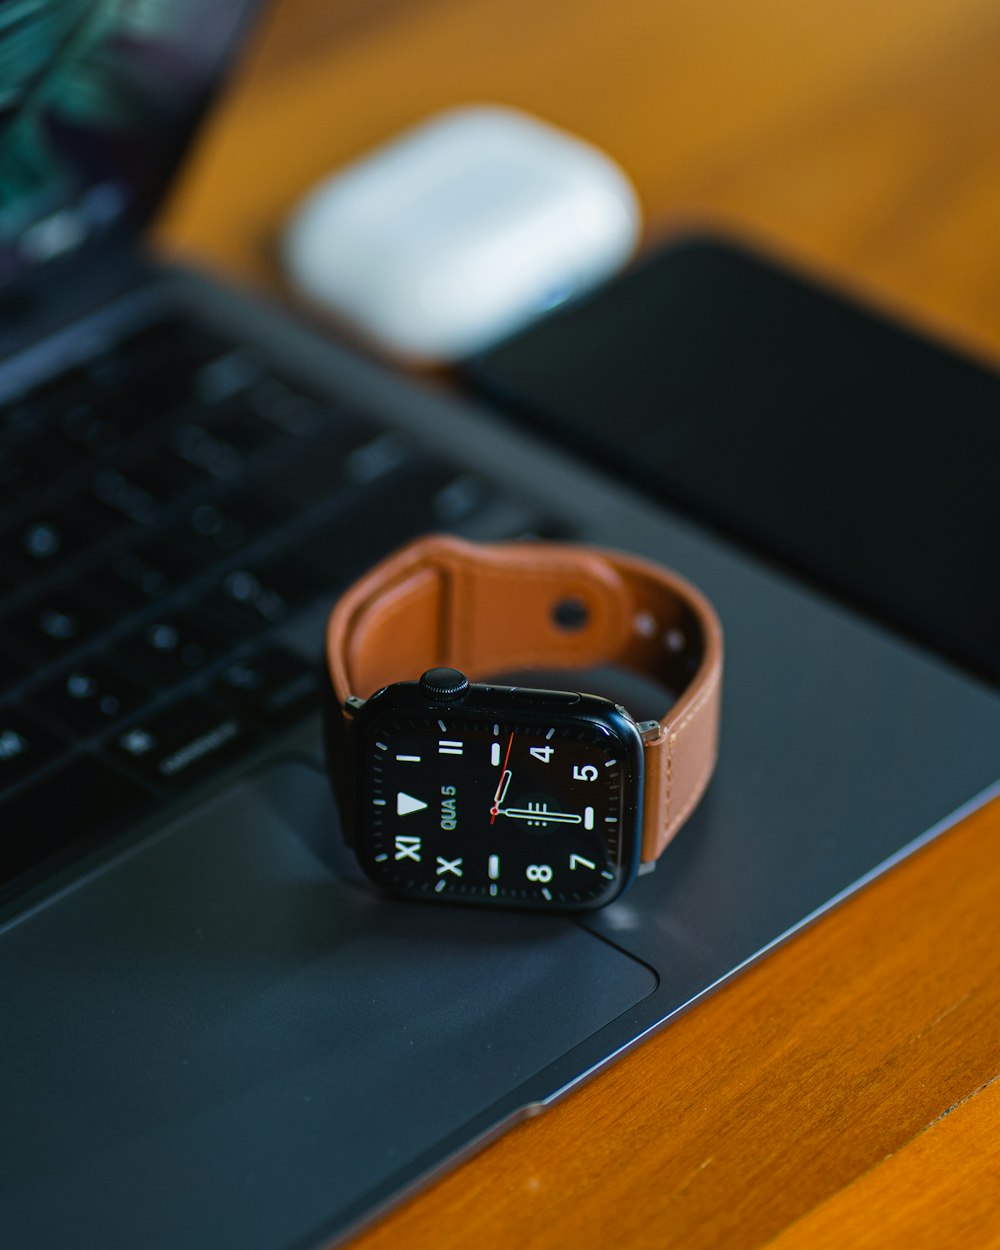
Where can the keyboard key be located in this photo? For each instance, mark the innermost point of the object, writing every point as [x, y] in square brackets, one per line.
[460, 499]
[75, 425]
[195, 443]
[170, 649]
[239, 426]
[352, 542]
[35, 545]
[25, 746]
[273, 688]
[321, 475]
[253, 598]
[226, 375]
[288, 410]
[209, 532]
[186, 741]
[129, 581]
[167, 477]
[85, 426]
[376, 458]
[245, 508]
[146, 377]
[52, 400]
[63, 811]
[89, 698]
[126, 501]
[53, 537]
[53, 626]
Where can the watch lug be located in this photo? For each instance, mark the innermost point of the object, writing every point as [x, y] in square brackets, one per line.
[353, 704]
[649, 730]
[646, 868]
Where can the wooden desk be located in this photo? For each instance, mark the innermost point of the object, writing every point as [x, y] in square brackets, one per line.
[842, 1092]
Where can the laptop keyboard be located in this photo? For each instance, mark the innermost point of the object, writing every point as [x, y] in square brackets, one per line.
[165, 508]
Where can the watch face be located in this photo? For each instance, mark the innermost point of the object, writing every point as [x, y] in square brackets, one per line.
[521, 806]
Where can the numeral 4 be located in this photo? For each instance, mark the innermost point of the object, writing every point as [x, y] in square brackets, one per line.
[543, 753]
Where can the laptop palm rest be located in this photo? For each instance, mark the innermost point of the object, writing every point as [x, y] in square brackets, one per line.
[276, 1041]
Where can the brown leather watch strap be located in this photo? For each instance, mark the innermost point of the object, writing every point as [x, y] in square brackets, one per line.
[486, 608]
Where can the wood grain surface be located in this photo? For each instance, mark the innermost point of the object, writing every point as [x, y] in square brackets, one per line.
[841, 1092]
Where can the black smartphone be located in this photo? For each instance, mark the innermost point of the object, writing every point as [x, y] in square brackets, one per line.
[791, 419]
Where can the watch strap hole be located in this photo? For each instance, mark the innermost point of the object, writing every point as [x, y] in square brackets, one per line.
[570, 614]
[675, 640]
[644, 624]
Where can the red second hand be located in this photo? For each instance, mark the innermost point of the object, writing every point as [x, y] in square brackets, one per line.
[495, 809]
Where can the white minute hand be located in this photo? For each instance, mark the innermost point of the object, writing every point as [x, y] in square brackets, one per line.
[540, 815]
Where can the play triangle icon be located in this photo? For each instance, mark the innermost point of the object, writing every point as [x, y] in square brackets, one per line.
[406, 803]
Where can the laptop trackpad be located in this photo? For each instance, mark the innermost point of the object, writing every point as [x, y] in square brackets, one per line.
[231, 1038]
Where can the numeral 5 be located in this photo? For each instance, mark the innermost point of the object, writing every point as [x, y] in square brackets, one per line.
[587, 773]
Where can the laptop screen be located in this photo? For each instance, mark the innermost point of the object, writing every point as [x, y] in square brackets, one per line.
[97, 99]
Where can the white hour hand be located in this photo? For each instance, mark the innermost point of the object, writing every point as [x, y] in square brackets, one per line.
[502, 787]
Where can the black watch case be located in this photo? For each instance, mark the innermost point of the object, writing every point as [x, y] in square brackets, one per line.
[495, 795]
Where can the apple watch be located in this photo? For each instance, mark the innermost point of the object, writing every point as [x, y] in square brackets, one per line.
[456, 788]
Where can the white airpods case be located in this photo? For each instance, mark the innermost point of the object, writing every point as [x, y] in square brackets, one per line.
[460, 231]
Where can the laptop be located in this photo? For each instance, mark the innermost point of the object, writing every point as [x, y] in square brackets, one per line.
[213, 1030]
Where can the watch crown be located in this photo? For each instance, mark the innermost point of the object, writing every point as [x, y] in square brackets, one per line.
[444, 683]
